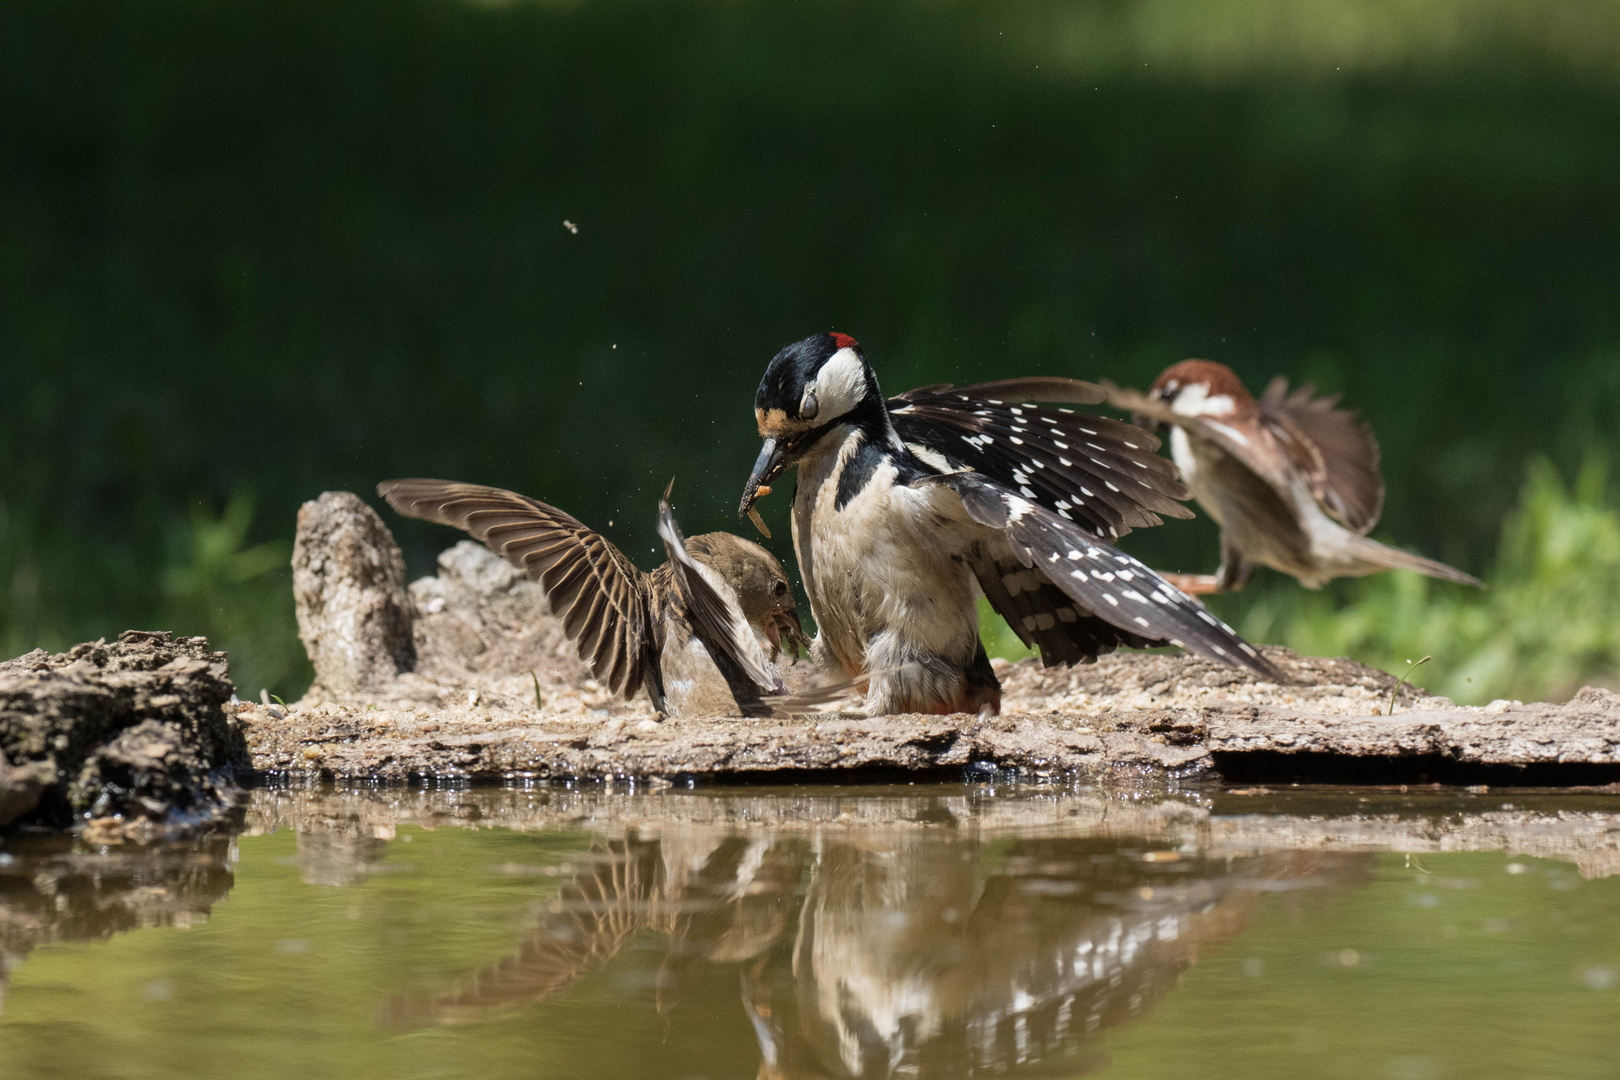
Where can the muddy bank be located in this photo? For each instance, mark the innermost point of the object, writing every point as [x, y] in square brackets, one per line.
[1577, 743]
[465, 675]
[133, 736]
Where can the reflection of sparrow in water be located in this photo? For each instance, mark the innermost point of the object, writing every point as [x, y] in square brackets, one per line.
[684, 631]
[906, 509]
[910, 955]
[1291, 480]
[717, 898]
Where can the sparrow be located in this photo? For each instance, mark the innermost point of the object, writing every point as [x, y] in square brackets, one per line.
[685, 632]
[1291, 479]
[895, 536]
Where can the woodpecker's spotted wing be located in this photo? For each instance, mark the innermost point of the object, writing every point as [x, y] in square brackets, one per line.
[597, 592]
[1101, 474]
[1102, 585]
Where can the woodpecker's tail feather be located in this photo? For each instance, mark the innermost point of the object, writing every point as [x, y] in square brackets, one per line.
[813, 699]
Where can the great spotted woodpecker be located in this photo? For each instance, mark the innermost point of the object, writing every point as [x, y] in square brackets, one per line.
[905, 509]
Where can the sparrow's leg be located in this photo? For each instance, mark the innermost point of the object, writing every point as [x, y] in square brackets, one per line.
[1235, 571]
[1192, 584]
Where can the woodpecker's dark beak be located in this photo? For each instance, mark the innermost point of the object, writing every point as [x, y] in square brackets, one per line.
[773, 458]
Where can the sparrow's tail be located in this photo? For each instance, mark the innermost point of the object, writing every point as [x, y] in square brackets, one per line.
[1378, 556]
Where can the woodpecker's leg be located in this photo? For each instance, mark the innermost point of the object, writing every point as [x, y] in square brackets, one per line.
[983, 688]
[907, 679]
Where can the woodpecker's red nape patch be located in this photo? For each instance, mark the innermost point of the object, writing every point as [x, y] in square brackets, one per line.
[844, 341]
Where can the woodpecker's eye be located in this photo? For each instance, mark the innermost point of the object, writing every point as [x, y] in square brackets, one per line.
[779, 590]
[809, 406]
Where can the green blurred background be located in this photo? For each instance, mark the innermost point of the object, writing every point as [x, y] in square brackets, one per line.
[252, 250]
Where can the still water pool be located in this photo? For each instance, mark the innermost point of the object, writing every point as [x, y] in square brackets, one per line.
[950, 931]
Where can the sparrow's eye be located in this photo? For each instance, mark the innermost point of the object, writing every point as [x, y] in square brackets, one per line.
[779, 590]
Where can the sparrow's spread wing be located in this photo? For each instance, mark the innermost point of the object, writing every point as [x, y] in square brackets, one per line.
[608, 901]
[598, 593]
[1236, 442]
[1342, 447]
[1066, 590]
[711, 605]
[1101, 474]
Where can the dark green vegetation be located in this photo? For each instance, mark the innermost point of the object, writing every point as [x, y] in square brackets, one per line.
[256, 249]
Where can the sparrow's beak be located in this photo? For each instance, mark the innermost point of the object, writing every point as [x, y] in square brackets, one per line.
[784, 626]
[1148, 423]
[773, 458]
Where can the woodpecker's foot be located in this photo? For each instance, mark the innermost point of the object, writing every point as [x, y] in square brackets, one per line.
[1194, 584]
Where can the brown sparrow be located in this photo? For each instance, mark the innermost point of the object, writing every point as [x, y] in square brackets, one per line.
[684, 631]
[1291, 479]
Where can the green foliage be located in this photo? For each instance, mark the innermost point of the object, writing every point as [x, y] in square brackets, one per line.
[239, 597]
[305, 246]
[1548, 623]
[998, 638]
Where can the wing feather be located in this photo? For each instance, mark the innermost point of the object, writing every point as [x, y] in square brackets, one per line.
[1208, 428]
[595, 590]
[1341, 446]
[718, 622]
[1100, 473]
[1131, 604]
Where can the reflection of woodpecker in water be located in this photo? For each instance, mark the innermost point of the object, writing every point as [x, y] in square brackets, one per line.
[911, 961]
[932, 956]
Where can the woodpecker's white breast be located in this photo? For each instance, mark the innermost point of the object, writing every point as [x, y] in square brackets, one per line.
[880, 565]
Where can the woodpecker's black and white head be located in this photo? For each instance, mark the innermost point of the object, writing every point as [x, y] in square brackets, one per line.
[811, 388]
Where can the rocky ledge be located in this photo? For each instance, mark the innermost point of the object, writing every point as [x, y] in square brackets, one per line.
[1575, 743]
[466, 676]
[132, 737]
